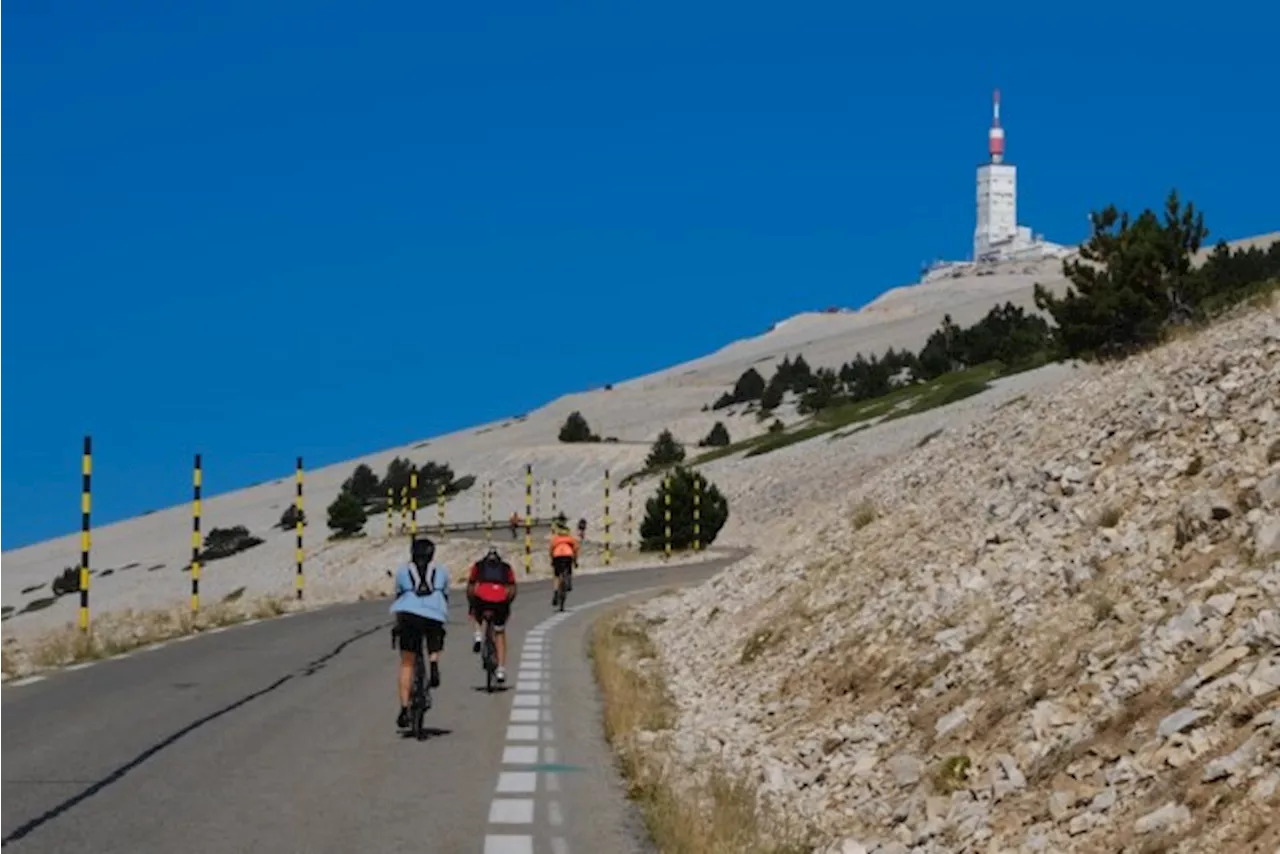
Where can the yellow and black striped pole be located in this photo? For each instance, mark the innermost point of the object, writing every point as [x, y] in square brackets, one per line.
[608, 523]
[196, 478]
[440, 506]
[413, 501]
[404, 508]
[85, 504]
[391, 508]
[698, 512]
[666, 500]
[487, 507]
[528, 519]
[630, 519]
[298, 530]
[555, 497]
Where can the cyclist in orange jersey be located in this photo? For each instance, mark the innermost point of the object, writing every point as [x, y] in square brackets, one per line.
[564, 557]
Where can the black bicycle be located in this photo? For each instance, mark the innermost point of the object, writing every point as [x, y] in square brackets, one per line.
[566, 584]
[420, 693]
[489, 652]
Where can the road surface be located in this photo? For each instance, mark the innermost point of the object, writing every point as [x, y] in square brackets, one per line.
[280, 736]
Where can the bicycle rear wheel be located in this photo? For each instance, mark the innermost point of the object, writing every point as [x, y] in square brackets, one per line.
[419, 702]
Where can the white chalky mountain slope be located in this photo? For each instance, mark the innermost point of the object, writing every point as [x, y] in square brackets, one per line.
[146, 555]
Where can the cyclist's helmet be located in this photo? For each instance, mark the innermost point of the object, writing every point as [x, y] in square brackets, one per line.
[422, 549]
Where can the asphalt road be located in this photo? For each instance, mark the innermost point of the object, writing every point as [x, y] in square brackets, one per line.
[280, 736]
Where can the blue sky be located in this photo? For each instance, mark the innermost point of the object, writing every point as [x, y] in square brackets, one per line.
[536, 197]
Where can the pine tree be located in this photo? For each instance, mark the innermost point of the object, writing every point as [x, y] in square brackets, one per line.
[1134, 277]
[718, 437]
[363, 483]
[346, 515]
[713, 512]
[665, 451]
[576, 429]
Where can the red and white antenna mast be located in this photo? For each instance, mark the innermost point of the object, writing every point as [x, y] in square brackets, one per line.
[995, 136]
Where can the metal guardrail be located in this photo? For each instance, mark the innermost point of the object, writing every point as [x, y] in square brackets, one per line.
[459, 527]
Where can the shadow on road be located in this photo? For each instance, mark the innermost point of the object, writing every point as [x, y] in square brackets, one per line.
[309, 669]
[428, 732]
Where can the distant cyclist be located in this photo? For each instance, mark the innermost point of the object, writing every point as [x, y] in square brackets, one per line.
[564, 557]
[582, 530]
[491, 587]
[421, 607]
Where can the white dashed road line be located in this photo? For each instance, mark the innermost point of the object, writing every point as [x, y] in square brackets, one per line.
[530, 734]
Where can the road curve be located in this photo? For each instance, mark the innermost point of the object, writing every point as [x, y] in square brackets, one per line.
[279, 736]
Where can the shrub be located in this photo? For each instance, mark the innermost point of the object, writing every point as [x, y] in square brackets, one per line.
[777, 426]
[713, 506]
[224, 542]
[665, 451]
[718, 437]
[462, 484]
[67, 581]
[363, 483]
[346, 515]
[289, 518]
[576, 429]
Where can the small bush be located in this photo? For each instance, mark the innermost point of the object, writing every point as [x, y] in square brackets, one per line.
[864, 515]
[462, 484]
[289, 518]
[224, 542]
[665, 451]
[952, 775]
[777, 426]
[346, 515]
[67, 581]
[718, 437]
[576, 429]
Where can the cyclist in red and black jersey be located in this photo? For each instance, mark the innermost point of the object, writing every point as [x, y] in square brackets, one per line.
[491, 587]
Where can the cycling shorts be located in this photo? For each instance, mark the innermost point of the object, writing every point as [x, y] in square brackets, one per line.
[562, 565]
[501, 611]
[414, 629]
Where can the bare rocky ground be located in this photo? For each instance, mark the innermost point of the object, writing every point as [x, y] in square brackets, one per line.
[1053, 626]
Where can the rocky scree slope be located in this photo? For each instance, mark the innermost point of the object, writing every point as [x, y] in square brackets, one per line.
[1054, 629]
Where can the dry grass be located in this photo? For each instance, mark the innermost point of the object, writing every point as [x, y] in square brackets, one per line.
[723, 815]
[123, 631]
[8, 659]
[864, 514]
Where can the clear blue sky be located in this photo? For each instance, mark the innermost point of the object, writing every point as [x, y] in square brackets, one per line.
[202, 194]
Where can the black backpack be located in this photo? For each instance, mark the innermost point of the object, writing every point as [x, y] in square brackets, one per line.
[493, 570]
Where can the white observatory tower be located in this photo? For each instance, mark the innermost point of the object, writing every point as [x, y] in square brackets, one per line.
[998, 235]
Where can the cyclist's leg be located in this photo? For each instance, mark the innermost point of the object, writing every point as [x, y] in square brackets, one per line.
[500, 615]
[410, 642]
[434, 632]
[477, 626]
